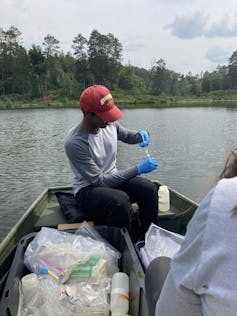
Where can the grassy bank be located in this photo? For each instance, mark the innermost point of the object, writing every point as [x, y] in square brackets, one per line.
[127, 100]
[19, 102]
[217, 98]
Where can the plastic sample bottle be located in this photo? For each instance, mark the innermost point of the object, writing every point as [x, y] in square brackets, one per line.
[119, 293]
[164, 198]
[30, 287]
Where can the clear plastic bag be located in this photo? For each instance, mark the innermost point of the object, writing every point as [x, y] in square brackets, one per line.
[89, 298]
[73, 298]
[59, 253]
[43, 300]
[84, 261]
[87, 230]
[161, 242]
[111, 254]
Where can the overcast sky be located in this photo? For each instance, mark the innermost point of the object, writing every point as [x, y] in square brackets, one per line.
[189, 35]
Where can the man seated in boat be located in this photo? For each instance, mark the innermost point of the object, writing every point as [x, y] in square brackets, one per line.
[103, 191]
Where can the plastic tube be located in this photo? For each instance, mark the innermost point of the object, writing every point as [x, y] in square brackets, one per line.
[146, 149]
[46, 270]
[147, 152]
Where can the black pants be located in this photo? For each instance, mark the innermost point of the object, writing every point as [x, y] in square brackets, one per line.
[112, 206]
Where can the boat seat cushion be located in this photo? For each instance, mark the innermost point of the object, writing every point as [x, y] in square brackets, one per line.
[70, 209]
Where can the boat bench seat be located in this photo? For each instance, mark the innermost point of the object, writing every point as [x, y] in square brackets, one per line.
[52, 216]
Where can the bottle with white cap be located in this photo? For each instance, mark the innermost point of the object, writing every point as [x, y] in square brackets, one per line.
[119, 294]
[164, 198]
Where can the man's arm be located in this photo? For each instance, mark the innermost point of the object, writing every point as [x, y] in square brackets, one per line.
[79, 156]
[126, 135]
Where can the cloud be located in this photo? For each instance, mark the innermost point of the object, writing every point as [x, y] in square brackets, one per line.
[223, 28]
[139, 26]
[133, 47]
[218, 54]
[187, 27]
[198, 24]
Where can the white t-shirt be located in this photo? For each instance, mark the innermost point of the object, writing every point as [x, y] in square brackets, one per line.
[92, 157]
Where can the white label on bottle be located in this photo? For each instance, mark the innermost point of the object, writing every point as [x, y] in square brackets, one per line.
[120, 291]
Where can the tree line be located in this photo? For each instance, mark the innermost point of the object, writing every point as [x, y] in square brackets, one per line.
[45, 69]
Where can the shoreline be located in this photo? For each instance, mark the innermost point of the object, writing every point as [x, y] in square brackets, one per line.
[124, 102]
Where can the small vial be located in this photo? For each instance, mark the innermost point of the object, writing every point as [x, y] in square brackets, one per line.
[147, 152]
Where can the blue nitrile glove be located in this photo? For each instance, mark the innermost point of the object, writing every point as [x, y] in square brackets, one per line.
[145, 138]
[147, 165]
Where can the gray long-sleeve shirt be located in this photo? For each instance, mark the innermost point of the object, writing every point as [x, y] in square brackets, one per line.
[92, 157]
[203, 276]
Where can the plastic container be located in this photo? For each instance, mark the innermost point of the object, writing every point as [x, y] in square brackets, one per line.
[129, 263]
[164, 198]
[119, 293]
[29, 285]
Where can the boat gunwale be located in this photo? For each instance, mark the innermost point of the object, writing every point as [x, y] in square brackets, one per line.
[9, 238]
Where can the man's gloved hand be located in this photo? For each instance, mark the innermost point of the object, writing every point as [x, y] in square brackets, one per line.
[147, 165]
[145, 138]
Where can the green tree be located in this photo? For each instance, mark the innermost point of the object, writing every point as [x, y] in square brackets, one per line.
[51, 52]
[38, 64]
[225, 77]
[206, 82]
[51, 46]
[82, 71]
[173, 82]
[10, 42]
[159, 77]
[104, 54]
[80, 47]
[68, 84]
[145, 77]
[216, 80]
[219, 79]
[22, 73]
[130, 81]
[233, 70]
[193, 84]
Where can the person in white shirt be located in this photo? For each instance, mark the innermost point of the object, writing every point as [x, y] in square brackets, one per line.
[203, 274]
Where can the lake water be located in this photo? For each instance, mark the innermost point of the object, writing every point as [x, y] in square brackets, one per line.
[191, 145]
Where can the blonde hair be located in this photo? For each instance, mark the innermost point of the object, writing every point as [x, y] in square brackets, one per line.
[230, 170]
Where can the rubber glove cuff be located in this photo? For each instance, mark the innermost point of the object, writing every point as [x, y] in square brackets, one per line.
[145, 138]
[147, 165]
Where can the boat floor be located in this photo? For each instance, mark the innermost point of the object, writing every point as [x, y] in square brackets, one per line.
[52, 216]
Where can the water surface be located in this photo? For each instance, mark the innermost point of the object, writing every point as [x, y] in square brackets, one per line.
[191, 145]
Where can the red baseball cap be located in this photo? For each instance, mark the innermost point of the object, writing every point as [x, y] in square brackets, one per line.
[99, 100]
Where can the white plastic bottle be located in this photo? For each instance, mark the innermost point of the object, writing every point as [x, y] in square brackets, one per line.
[164, 198]
[119, 293]
[30, 288]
